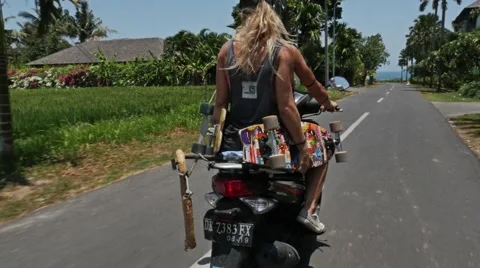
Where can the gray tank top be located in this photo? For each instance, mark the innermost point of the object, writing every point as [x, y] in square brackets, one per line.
[251, 96]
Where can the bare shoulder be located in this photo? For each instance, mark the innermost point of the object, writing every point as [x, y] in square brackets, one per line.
[222, 54]
[223, 49]
[285, 55]
[292, 49]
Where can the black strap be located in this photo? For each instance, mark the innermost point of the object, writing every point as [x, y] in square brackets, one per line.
[313, 83]
[300, 143]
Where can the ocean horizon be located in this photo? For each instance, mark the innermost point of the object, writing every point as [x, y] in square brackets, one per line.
[389, 75]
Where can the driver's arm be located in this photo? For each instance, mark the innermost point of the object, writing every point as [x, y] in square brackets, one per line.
[287, 109]
[307, 77]
[221, 96]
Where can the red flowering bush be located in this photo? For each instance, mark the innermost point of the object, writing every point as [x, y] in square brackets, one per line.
[77, 78]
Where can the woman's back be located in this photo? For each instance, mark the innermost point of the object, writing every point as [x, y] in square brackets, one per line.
[247, 79]
[252, 95]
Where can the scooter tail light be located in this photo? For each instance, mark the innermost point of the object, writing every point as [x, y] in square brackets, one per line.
[231, 188]
[259, 205]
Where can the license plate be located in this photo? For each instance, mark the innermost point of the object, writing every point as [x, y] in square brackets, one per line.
[236, 233]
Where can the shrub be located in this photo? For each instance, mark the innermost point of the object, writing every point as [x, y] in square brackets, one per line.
[471, 90]
[169, 70]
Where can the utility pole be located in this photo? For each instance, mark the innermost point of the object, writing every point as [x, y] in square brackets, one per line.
[334, 42]
[326, 42]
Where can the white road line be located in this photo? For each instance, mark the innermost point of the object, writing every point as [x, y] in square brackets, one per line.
[388, 92]
[344, 135]
[204, 264]
[353, 126]
[393, 86]
[380, 100]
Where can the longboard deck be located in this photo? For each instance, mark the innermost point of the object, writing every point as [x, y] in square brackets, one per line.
[256, 152]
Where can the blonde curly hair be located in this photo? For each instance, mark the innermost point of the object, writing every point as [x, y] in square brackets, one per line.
[261, 28]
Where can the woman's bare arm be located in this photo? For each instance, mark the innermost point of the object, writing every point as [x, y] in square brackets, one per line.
[221, 96]
[283, 90]
[307, 77]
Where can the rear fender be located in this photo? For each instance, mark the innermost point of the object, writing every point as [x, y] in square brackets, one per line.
[226, 256]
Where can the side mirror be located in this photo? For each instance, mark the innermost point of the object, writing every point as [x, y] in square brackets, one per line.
[339, 83]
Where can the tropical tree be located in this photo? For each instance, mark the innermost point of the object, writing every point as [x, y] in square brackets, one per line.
[420, 38]
[195, 53]
[31, 45]
[373, 53]
[435, 5]
[418, 44]
[444, 13]
[347, 46]
[302, 19]
[49, 10]
[461, 60]
[11, 38]
[423, 6]
[403, 63]
[6, 129]
[84, 25]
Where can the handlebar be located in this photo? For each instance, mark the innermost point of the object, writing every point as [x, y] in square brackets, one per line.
[202, 157]
[337, 109]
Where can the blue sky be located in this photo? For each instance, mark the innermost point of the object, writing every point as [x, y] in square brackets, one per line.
[153, 18]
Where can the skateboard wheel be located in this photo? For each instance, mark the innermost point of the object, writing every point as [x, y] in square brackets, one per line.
[209, 150]
[206, 109]
[336, 126]
[271, 122]
[198, 148]
[277, 161]
[341, 157]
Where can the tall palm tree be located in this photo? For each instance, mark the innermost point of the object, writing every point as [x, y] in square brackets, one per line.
[84, 25]
[420, 37]
[435, 5]
[423, 6]
[444, 5]
[402, 62]
[35, 46]
[444, 13]
[347, 43]
[6, 129]
[49, 9]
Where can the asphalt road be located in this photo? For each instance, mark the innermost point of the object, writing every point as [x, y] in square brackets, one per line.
[451, 109]
[408, 197]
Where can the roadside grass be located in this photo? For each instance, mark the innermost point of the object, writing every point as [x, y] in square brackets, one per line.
[334, 95]
[468, 128]
[54, 124]
[100, 165]
[375, 85]
[444, 96]
[337, 94]
[70, 141]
